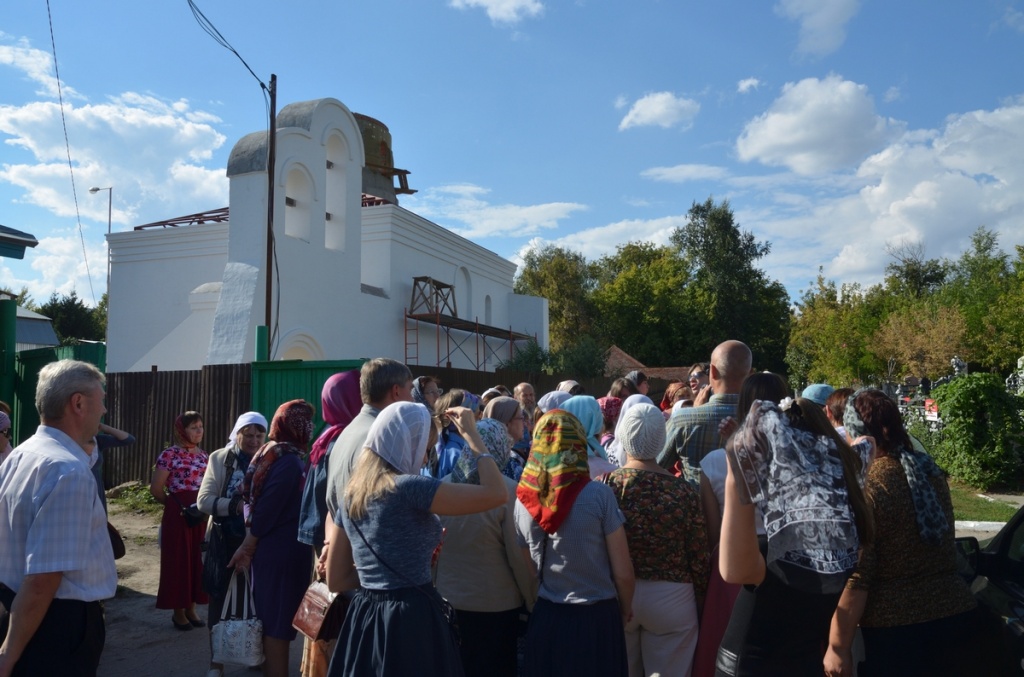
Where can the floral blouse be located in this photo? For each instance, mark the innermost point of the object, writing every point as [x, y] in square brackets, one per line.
[664, 527]
[186, 468]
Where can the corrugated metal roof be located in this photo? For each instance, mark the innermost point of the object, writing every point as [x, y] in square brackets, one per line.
[36, 330]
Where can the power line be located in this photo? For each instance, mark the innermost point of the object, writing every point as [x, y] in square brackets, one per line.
[67, 146]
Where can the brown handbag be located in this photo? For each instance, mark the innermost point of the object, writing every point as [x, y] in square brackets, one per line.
[321, 612]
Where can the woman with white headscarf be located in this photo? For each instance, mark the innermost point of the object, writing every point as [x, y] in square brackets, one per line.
[220, 496]
[668, 545]
[480, 569]
[396, 624]
[616, 453]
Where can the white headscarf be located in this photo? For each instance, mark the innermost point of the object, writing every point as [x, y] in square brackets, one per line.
[641, 431]
[248, 418]
[553, 400]
[399, 435]
[615, 448]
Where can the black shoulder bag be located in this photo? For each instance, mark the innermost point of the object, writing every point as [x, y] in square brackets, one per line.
[216, 574]
[447, 610]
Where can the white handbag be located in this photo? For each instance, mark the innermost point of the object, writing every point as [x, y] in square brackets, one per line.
[238, 640]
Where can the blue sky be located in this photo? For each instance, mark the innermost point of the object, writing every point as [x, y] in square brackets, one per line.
[833, 127]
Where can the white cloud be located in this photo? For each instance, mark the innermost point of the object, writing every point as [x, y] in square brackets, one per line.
[621, 102]
[1014, 19]
[892, 94]
[822, 22]
[934, 186]
[747, 84]
[684, 173]
[61, 268]
[150, 150]
[662, 109]
[37, 66]
[816, 126]
[594, 243]
[465, 204]
[503, 11]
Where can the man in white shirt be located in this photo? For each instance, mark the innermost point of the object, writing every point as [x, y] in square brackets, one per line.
[57, 559]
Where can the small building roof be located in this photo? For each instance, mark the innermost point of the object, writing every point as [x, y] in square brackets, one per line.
[13, 242]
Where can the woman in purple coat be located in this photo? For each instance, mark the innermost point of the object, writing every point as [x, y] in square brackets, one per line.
[280, 564]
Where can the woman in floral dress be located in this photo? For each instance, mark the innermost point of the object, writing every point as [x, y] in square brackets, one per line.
[668, 546]
[176, 482]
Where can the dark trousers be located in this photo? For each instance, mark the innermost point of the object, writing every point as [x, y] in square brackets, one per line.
[939, 647]
[488, 647]
[69, 640]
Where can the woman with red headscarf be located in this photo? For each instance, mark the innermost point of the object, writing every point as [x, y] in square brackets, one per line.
[176, 482]
[280, 564]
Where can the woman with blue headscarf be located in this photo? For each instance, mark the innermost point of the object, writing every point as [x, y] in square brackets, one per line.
[586, 409]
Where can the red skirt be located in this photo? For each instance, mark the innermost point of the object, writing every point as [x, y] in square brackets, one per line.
[181, 557]
[718, 605]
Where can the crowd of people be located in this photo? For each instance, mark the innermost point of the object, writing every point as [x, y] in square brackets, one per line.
[732, 528]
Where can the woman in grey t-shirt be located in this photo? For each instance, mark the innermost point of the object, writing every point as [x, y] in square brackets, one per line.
[395, 624]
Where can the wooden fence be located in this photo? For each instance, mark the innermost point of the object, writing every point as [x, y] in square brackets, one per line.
[145, 404]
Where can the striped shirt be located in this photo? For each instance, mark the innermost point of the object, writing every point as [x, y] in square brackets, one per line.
[51, 519]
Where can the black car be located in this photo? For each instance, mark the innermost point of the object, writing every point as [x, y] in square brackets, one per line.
[995, 573]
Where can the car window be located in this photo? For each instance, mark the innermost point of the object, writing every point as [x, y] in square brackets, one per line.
[1015, 553]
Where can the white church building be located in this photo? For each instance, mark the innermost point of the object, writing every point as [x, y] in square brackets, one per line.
[355, 276]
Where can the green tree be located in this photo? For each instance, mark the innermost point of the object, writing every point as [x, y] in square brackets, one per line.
[641, 303]
[72, 320]
[565, 279]
[21, 298]
[977, 282]
[921, 337]
[737, 298]
[911, 275]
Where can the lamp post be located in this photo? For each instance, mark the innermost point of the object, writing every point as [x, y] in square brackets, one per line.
[110, 203]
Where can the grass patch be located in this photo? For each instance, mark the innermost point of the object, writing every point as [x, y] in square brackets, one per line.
[136, 498]
[968, 506]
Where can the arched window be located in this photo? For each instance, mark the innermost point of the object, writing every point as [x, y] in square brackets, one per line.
[298, 209]
[336, 193]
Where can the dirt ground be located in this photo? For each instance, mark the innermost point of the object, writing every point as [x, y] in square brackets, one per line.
[141, 642]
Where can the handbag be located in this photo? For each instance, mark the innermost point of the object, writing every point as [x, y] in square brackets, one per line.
[221, 540]
[116, 542]
[446, 608]
[321, 612]
[238, 640]
[192, 514]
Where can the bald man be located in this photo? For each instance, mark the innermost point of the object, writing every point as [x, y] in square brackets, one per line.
[693, 431]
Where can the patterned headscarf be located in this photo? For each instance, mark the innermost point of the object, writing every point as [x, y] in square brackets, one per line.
[471, 402]
[290, 430]
[615, 450]
[919, 469]
[496, 439]
[611, 407]
[556, 471]
[670, 394]
[399, 435]
[341, 403]
[417, 391]
[586, 409]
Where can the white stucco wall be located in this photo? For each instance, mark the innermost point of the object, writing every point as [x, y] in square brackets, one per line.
[152, 273]
[342, 284]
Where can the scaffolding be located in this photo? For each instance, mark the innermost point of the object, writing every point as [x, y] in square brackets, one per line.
[433, 303]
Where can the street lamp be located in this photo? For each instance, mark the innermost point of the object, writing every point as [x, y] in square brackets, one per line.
[110, 203]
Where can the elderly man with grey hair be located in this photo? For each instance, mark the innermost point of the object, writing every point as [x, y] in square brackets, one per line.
[57, 561]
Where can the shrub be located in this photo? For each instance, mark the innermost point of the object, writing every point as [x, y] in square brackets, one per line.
[980, 443]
